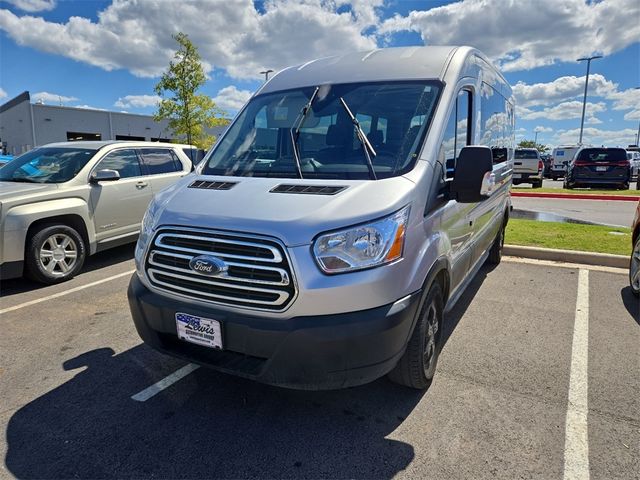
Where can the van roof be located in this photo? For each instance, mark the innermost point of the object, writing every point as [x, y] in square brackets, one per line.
[398, 63]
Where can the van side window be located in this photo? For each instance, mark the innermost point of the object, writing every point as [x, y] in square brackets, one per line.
[457, 133]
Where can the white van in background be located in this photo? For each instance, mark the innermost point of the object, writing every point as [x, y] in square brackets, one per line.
[561, 154]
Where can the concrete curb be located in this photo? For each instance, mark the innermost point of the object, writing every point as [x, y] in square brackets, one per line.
[577, 196]
[568, 256]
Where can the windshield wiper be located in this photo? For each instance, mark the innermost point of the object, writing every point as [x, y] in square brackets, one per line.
[294, 132]
[366, 145]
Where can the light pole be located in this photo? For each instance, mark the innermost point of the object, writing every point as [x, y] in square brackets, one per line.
[536, 139]
[266, 74]
[586, 84]
[638, 135]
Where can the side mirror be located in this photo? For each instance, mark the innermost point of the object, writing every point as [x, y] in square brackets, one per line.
[473, 180]
[105, 176]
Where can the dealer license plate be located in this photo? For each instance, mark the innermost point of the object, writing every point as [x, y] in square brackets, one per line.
[601, 169]
[199, 330]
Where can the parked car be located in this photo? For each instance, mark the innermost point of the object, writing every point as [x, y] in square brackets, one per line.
[322, 242]
[528, 167]
[600, 166]
[634, 263]
[634, 161]
[561, 158]
[64, 201]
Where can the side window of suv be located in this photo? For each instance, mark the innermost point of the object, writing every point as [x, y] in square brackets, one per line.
[160, 160]
[125, 162]
[457, 133]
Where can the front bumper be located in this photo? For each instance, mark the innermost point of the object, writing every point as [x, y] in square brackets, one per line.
[306, 352]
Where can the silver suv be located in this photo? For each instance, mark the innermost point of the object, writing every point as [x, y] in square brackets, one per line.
[64, 201]
[323, 240]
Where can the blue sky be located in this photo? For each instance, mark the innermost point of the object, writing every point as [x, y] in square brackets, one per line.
[108, 55]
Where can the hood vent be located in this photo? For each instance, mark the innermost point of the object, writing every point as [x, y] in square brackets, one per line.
[308, 189]
[207, 185]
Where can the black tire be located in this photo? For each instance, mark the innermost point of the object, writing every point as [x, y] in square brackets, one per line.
[67, 254]
[634, 268]
[537, 184]
[418, 364]
[624, 186]
[495, 254]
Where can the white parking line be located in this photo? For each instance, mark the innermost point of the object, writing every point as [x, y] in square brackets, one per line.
[62, 294]
[576, 441]
[156, 388]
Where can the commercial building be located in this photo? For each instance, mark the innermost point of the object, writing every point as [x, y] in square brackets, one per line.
[25, 125]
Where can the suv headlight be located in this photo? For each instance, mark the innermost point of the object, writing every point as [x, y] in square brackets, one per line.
[362, 246]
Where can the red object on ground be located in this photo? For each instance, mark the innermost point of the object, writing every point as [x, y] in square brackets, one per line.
[578, 196]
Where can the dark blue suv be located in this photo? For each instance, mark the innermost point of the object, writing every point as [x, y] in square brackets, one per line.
[599, 166]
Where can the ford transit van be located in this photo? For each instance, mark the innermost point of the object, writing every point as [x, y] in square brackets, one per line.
[323, 240]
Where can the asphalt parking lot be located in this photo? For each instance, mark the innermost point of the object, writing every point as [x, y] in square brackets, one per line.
[538, 378]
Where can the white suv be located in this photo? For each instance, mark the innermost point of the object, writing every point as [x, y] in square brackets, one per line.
[64, 201]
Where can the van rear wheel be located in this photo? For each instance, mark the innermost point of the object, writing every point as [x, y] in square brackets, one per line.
[495, 254]
[55, 253]
[418, 364]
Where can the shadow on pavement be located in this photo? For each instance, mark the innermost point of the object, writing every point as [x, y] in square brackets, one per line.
[631, 302]
[94, 262]
[207, 425]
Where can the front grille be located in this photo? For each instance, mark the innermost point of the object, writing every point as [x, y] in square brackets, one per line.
[258, 275]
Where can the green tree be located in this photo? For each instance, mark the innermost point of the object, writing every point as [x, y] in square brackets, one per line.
[531, 144]
[187, 111]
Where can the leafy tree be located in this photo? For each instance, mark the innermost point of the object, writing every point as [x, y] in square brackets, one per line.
[187, 111]
[531, 144]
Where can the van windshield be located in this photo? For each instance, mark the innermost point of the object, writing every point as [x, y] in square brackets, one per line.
[394, 116]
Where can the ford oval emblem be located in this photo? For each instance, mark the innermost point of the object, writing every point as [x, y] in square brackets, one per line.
[208, 265]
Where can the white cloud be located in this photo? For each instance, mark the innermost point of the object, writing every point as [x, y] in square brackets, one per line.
[137, 101]
[33, 5]
[541, 129]
[524, 34]
[234, 35]
[88, 107]
[561, 89]
[596, 136]
[53, 98]
[230, 98]
[2, 93]
[563, 111]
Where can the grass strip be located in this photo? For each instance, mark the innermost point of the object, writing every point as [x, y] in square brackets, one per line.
[569, 236]
[576, 191]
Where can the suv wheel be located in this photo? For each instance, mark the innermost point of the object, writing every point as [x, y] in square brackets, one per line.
[418, 364]
[55, 253]
[495, 254]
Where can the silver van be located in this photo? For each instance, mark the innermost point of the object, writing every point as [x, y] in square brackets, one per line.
[322, 241]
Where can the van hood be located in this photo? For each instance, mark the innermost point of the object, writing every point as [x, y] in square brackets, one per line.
[251, 207]
[15, 190]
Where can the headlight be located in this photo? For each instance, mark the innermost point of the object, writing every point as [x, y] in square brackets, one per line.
[363, 246]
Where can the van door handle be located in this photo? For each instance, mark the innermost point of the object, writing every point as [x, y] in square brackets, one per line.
[141, 184]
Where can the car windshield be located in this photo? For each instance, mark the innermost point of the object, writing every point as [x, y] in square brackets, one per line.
[46, 165]
[520, 154]
[275, 132]
[602, 155]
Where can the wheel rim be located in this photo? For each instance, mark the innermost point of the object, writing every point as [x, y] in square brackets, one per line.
[58, 255]
[634, 270]
[429, 353]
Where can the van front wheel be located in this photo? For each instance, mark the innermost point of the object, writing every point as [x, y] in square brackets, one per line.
[495, 254]
[418, 364]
